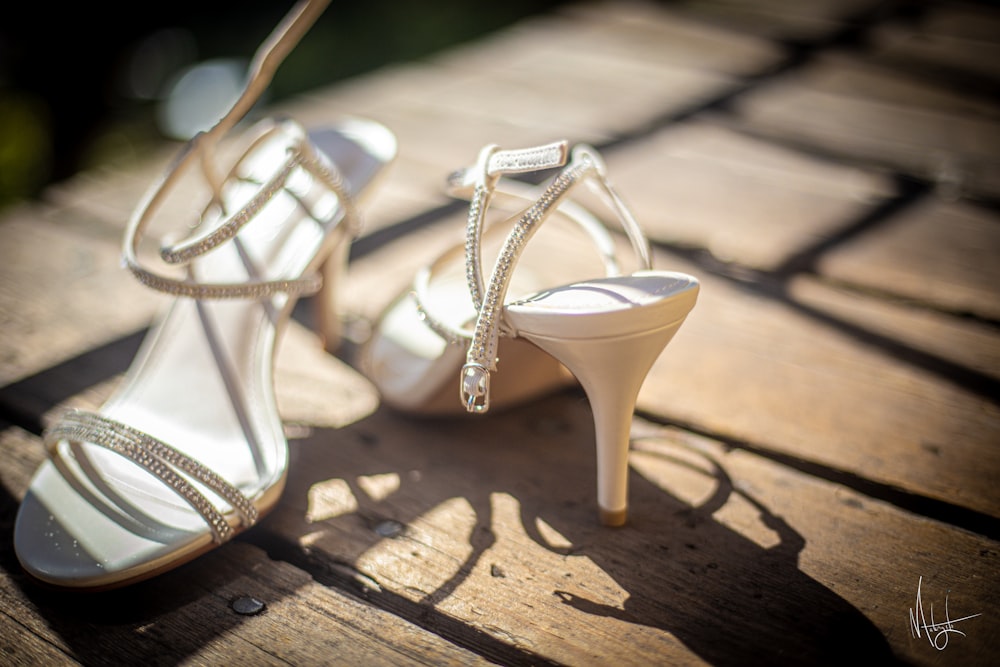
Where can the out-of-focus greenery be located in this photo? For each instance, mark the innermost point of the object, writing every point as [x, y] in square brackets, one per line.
[80, 82]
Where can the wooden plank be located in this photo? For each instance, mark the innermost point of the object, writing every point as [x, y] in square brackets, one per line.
[586, 97]
[939, 253]
[316, 389]
[910, 332]
[744, 200]
[956, 149]
[777, 19]
[872, 76]
[949, 38]
[895, 394]
[107, 194]
[491, 521]
[858, 535]
[24, 454]
[62, 289]
[19, 646]
[187, 616]
[668, 36]
[965, 20]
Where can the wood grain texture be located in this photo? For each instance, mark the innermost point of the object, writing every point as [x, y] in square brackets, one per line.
[838, 379]
[818, 440]
[487, 524]
[956, 149]
[939, 253]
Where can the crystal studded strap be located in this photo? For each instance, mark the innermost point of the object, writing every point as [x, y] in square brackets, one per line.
[599, 235]
[200, 153]
[299, 155]
[494, 162]
[482, 353]
[168, 464]
[491, 165]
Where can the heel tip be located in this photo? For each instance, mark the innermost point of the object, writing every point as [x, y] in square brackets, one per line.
[612, 518]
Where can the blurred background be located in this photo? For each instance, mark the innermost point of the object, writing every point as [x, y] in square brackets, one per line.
[85, 84]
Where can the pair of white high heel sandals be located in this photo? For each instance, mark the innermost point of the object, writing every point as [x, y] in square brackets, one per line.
[190, 449]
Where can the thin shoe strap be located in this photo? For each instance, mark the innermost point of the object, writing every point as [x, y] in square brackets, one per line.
[166, 463]
[481, 358]
[491, 165]
[299, 155]
[268, 57]
[462, 184]
[201, 150]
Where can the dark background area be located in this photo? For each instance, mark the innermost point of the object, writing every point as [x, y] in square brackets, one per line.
[80, 82]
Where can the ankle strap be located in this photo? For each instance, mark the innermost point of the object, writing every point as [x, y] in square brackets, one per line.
[494, 163]
[268, 57]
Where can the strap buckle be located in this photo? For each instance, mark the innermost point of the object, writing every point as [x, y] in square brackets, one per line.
[474, 387]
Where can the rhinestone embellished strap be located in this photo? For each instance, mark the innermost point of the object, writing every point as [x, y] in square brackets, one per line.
[482, 354]
[200, 153]
[494, 162]
[300, 155]
[491, 165]
[481, 357]
[161, 460]
[483, 180]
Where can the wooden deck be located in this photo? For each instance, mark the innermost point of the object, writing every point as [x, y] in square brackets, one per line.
[821, 438]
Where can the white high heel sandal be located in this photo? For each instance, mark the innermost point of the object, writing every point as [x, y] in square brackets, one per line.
[606, 331]
[190, 450]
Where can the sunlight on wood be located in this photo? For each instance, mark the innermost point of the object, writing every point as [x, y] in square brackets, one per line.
[696, 471]
[379, 487]
[330, 498]
[552, 537]
[431, 552]
[315, 388]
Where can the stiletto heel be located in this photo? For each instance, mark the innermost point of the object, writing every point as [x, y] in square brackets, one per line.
[606, 332]
[611, 381]
[189, 450]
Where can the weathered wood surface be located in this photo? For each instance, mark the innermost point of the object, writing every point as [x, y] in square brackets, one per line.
[819, 437]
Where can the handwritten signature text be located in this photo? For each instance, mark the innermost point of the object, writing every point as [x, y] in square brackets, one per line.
[938, 634]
